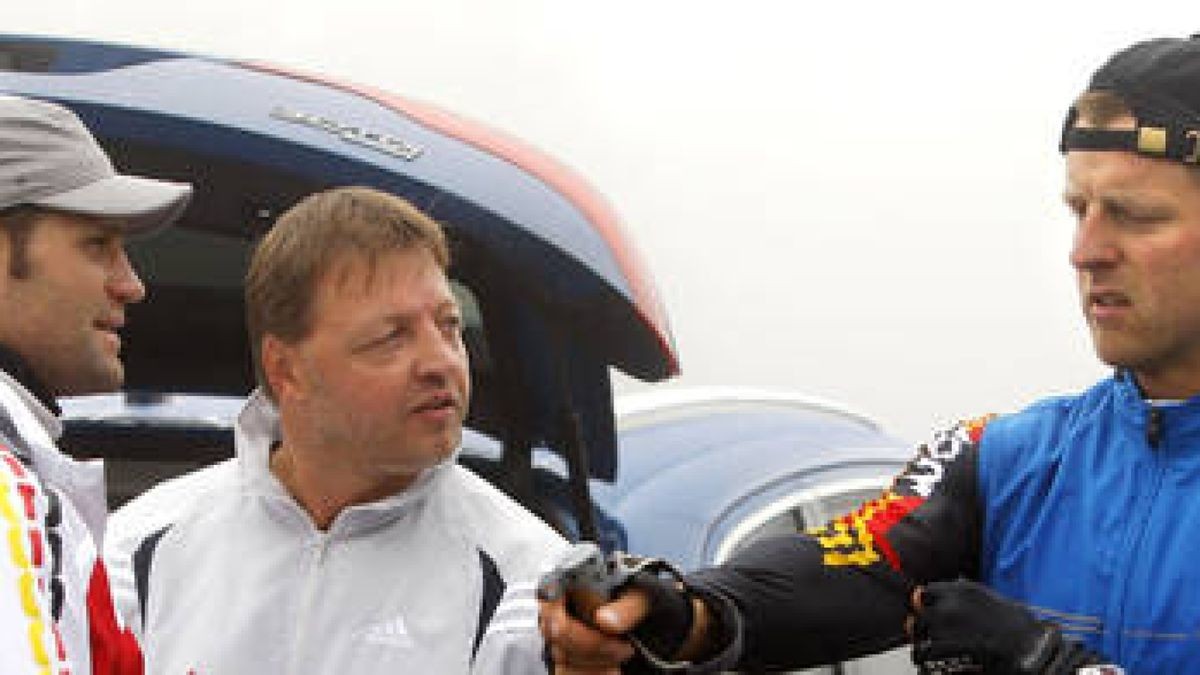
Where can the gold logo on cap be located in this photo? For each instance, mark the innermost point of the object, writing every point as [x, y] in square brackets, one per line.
[1152, 140]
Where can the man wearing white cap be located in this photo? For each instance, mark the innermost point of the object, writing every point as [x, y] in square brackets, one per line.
[64, 283]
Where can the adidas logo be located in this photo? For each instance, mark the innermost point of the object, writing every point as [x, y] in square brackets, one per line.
[390, 633]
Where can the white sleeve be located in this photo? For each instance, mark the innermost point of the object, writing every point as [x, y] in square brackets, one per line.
[512, 643]
[27, 639]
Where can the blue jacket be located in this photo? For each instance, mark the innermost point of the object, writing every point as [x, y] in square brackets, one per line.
[1086, 508]
[1092, 517]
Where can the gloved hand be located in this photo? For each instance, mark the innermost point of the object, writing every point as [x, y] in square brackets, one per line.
[964, 627]
[667, 625]
[588, 578]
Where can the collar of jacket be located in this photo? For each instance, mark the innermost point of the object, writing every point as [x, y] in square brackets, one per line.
[257, 430]
[1178, 423]
[18, 369]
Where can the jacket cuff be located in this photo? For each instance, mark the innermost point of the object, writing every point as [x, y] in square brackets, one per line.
[727, 628]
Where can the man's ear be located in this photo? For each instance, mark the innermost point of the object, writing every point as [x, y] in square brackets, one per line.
[279, 361]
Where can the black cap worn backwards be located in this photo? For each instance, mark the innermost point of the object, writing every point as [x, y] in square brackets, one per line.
[1160, 82]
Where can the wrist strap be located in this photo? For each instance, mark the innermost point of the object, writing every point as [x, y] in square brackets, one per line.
[648, 573]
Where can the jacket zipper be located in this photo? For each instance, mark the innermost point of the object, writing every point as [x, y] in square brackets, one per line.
[1154, 427]
[1154, 439]
[320, 547]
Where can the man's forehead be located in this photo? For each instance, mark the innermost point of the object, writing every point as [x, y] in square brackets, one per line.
[66, 219]
[359, 272]
[1127, 176]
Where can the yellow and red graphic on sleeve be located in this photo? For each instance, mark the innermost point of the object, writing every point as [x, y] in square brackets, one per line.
[857, 538]
[26, 555]
[974, 428]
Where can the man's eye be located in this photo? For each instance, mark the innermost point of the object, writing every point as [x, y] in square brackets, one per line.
[391, 337]
[1077, 209]
[1138, 216]
[452, 324]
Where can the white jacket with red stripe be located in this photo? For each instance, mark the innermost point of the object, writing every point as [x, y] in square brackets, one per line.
[55, 606]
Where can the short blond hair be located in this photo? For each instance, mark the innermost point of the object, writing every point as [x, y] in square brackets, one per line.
[1100, 108]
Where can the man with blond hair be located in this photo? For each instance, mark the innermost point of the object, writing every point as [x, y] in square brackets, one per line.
[1025, 543]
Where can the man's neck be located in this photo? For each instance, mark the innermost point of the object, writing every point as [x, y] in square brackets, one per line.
[1174, 386]
[323, 491]
[18, 369]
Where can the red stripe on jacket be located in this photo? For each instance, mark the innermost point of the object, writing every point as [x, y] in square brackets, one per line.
[115, 651]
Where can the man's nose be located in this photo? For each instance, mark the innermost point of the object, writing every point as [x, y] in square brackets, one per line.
[124, 284]
[439, 353]
[1094, 244]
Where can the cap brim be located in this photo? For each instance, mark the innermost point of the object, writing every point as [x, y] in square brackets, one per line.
[137, 205]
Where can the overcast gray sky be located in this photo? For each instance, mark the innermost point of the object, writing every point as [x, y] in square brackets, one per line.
[858, 202]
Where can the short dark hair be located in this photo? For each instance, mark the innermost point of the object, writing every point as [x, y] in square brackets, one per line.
[306, 242]
[17, 223]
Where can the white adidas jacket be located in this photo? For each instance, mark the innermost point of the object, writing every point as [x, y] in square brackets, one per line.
[232, 576]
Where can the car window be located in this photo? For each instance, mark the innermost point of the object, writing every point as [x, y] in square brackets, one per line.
[828, 507]
[801, 509]
[194, 278]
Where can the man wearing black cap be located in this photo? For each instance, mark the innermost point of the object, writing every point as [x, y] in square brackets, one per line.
[64, 283]
[1027, 543]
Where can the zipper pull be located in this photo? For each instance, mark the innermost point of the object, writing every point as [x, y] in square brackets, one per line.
[1154, 427]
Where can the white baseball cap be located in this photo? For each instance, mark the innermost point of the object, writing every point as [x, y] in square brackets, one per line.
[48, 158]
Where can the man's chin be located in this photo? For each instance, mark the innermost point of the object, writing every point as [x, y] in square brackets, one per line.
[431, 456]
[1116, 352]
[95, 381]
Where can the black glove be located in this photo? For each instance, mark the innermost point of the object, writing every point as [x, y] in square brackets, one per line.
[963, 627]
[588, 577]
[662, 633]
